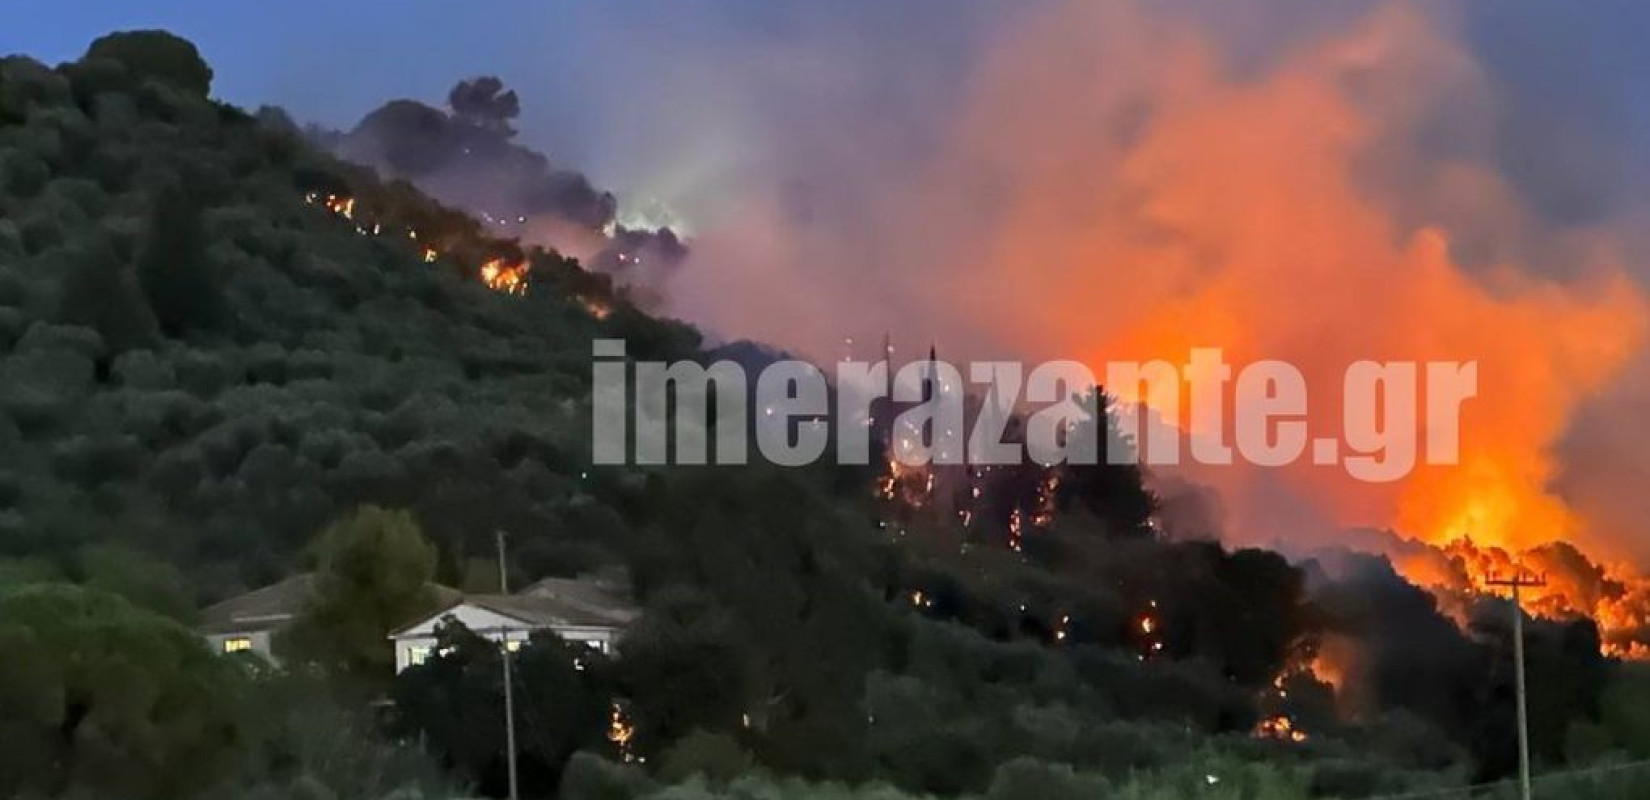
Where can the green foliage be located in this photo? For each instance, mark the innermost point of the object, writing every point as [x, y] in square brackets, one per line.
[591, 777]
[99, 696]
[156, 55]
[1028, 779]
[373, 575]
[1626, 710]
[301, 744]
[712, 756]
[182, 286]
[455, 705]
[142, 579]
[685, 667]
[101, 293]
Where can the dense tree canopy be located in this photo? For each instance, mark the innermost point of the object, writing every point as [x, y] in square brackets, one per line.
[100, 696]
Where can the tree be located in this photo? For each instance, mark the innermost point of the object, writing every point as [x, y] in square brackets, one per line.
[156, 55]
[1113, 492]
[373, 575]
[455, 704]
[182, 285]
[100, 696]
[137, 576]
[1626, 709]
[685, 665]
[100, 292]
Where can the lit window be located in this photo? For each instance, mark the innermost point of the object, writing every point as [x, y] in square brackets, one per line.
[513, 645]
[417, 655]
[237, 644]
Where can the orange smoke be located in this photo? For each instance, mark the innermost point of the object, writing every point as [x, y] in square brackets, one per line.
[1234, 218]
[1113, 189]
[1233, 214]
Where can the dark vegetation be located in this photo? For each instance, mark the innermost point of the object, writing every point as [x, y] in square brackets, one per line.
[210, 381]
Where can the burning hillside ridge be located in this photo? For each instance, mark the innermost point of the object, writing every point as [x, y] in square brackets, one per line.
[466, 155]
[503, 267]
[1011, 505]
[1112, 185]
[1458, 573]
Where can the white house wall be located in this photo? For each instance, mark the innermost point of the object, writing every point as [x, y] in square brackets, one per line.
[418, 642]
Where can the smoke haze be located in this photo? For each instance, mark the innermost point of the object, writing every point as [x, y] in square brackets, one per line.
[1319, 183]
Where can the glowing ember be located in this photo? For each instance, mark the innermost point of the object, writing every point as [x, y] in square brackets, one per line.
[596, 308]
[910, 486]
[1048, 491]
[342, 206]
[1280, 728]
[1149, 628]
[620, 732]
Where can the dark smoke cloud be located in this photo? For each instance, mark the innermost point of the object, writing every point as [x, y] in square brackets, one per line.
[468, 156]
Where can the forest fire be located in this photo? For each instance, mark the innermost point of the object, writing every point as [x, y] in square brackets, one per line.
[500, 276]
[1613, 596]
[1305, 676]
[1280, 727]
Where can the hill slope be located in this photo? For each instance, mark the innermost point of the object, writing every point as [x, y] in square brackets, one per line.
[215, 339]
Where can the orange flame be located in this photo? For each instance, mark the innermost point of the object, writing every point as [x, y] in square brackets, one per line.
[1615, 597]
[509, 278]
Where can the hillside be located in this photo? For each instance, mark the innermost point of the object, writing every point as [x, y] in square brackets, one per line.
[218, 339]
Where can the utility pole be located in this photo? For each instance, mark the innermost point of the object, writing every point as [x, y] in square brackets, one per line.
[503, 573]
[509, 682]
[1518, 583]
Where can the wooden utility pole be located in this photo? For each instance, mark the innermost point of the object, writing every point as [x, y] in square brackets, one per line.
[1517, 583]
[509, 682]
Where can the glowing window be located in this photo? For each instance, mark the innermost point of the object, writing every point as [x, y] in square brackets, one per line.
[417, 655]
[237, 644]
[514, 645]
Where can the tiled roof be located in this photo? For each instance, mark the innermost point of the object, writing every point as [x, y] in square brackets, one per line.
[600, 596]
[260, 609]
[553, 603]
[551, 611]
[276, 605]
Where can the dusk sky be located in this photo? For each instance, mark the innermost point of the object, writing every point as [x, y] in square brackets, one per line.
[593, 73]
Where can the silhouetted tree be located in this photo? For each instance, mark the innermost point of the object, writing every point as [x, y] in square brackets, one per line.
[158, 55]
[182, 285]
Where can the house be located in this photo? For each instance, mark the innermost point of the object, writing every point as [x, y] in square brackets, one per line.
[592, 610]
[249, 622]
